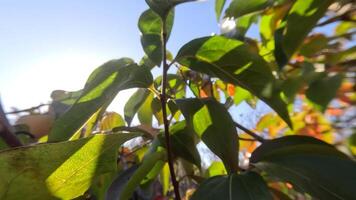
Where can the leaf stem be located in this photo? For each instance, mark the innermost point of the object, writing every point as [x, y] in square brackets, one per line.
[5, 131]
[164, 111]
[254, 135]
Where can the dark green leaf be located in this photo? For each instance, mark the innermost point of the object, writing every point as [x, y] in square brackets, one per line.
[162, 7]
[291, 86]
[147, 165]
[59, 170]
[134, 103]
[247, 185]
[277, 194]
[323, 90]
[234, 62]
[238, 8]
[101, 88]
[214, 125]
[310, 165]
[219, 6]
[119, 183]
[313, 45]
[284, 142]
[184, 143]
[150, 25]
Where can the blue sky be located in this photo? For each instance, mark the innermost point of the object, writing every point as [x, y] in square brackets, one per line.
[47, 45]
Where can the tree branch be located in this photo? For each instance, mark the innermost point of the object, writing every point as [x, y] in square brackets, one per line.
[254, 135]
[347, 16]
[164, 111]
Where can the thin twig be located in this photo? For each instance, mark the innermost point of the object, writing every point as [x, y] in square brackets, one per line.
[132, 129]
[247, 139]
[6, 131]
[27, 109]
[164, 112]
[254, 135]
[344, 17]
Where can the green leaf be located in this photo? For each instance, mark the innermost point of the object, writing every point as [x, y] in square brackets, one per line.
[165, 179]
[175, 87]
[184, 143]
[323, 90]
[134, 103]
[234, 62]
[151, 26]
[157, 110]
[216, 168]
[291, 86]
[243, 24]
[63, 100]
[241, 95]
[145, 113]
[292, 33]
[219, 6]
[162, 7]
[310, 165]
[117, 186]
[238, 8]
[248, 185]
[213, 124]
[100, 185]
[147, 165]
[101, 88]
[59, 170]
[313, 45]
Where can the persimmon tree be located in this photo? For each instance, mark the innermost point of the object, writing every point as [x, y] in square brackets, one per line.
[302, 149]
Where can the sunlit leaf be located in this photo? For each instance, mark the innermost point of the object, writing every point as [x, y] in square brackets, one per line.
[232, 61]
[101, 88]
[58, 170]
[216, 168]
[145, 113]
[111, 120]
[292, 32]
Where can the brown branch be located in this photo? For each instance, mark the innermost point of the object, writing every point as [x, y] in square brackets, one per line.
[6, 132]
[164, 112]
[254, 135]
